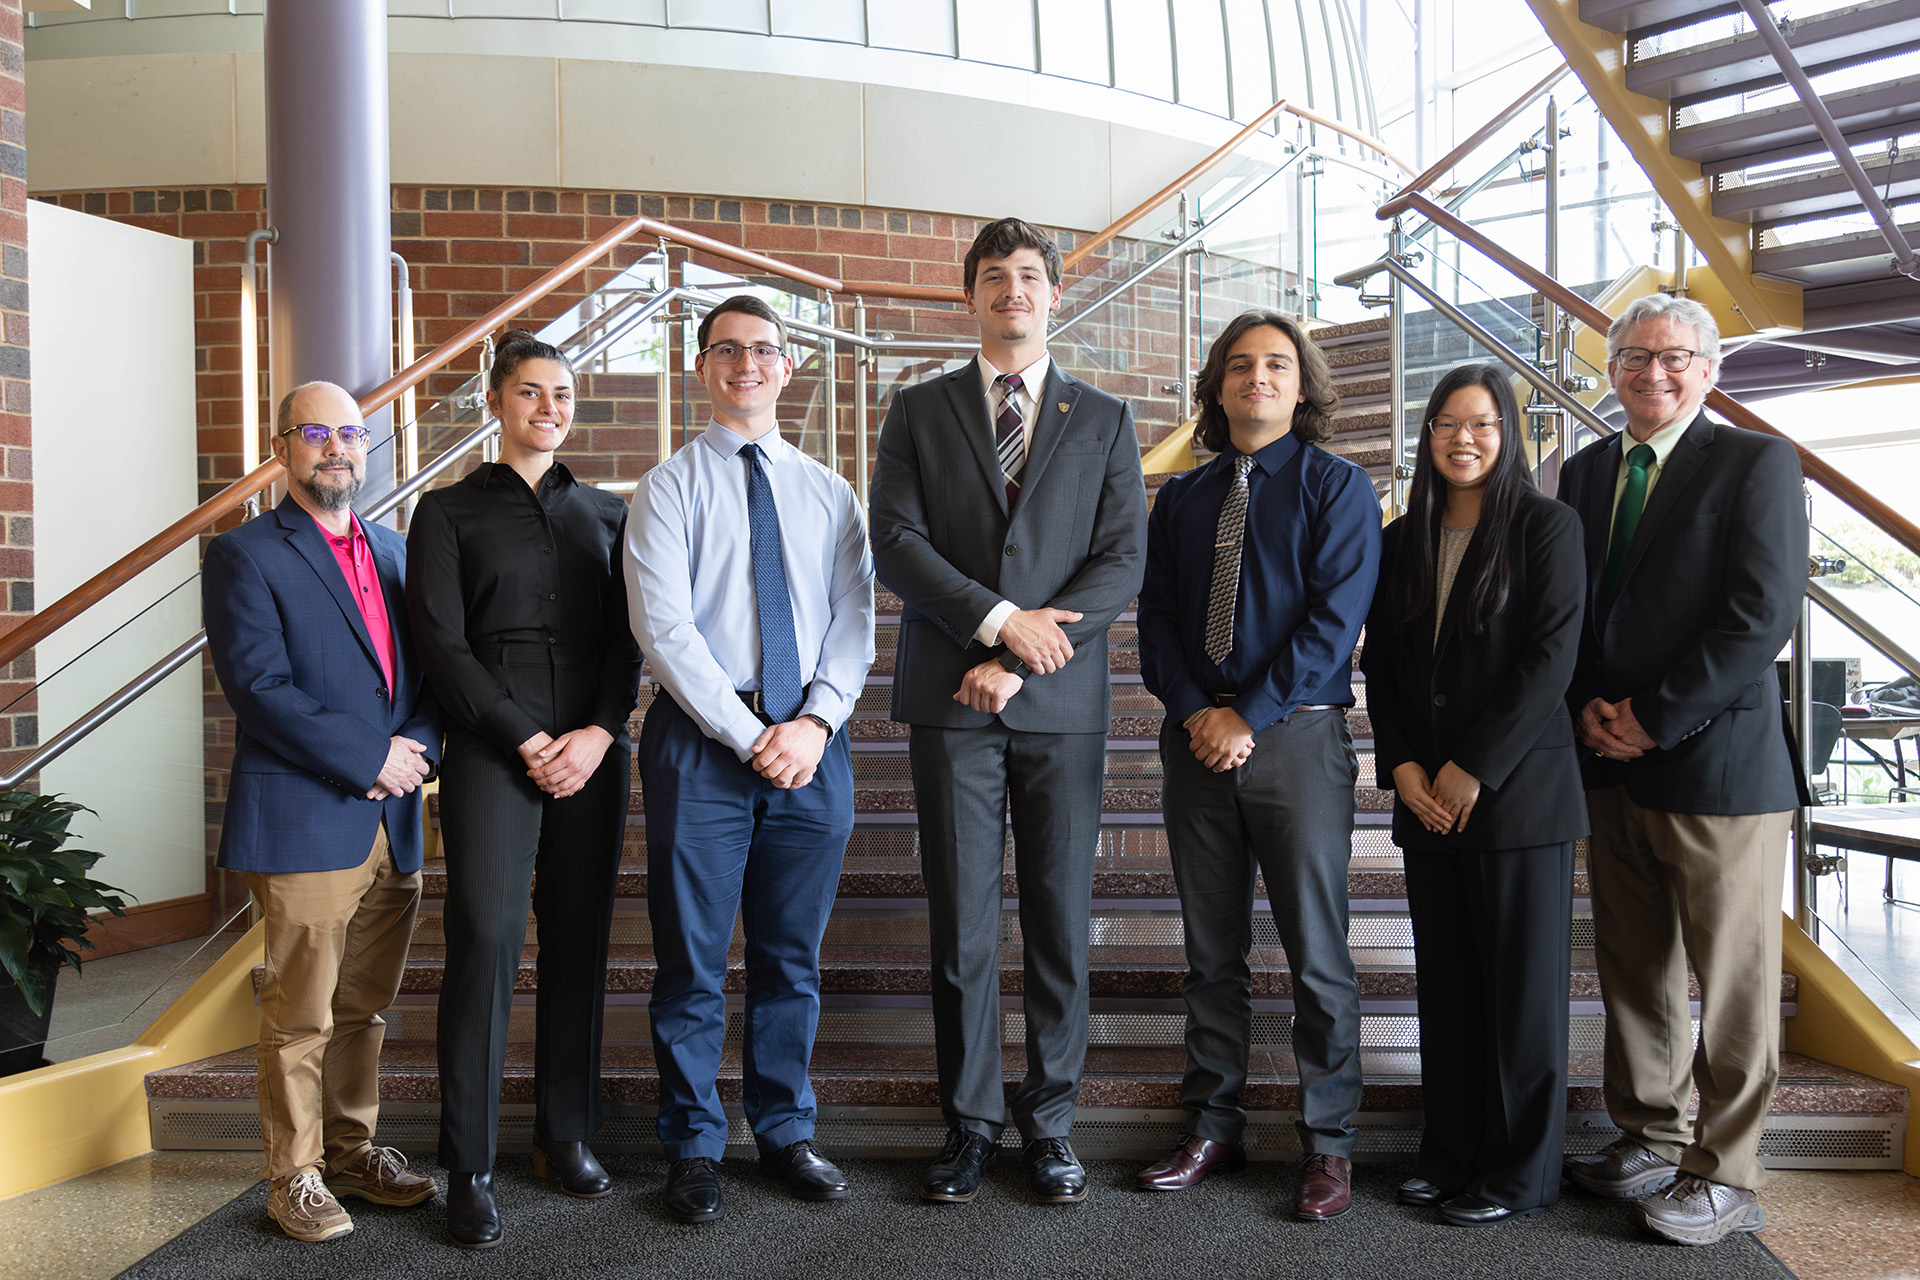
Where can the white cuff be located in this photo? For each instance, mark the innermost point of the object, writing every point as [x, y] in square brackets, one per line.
[988, 632]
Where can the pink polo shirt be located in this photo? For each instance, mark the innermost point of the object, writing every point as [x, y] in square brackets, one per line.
[363, 579]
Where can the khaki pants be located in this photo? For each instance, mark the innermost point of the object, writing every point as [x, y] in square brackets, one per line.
[1669, 888]
[336, 949]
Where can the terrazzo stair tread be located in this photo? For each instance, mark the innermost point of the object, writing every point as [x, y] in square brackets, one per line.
[1119, 972]
[1146, 1077]
[1124, 877]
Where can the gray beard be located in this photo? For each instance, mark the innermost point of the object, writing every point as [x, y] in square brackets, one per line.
[328, 498]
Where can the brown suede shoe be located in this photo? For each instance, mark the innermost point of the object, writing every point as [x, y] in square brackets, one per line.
[1325, 1189]
[1192, 1159]
[379, 1175]
[306, 1210]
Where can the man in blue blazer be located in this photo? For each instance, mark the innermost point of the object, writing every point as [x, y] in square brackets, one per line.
[306, 620]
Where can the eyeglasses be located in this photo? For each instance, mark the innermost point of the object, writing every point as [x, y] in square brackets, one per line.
[1481, 427]
[317, 435]
[733, 352]
[1673, 359]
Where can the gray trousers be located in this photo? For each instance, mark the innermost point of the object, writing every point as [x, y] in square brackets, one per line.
[965, 782]
[1287, 812]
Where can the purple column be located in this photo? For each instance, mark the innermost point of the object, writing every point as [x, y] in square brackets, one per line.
[328, 192]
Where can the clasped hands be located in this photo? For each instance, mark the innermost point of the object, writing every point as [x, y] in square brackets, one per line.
[1031, 635]
[786, 754]
[1613, 731]
[406, 768]
[1443, 803]
[561, 766]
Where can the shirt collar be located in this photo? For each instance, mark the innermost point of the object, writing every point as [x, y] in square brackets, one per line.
[1032, 378]
[1662, 442]
[353, 534]
[728, 443]
[1271, 457]
[557, 475]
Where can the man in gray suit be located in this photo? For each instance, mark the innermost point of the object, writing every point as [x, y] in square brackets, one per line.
[1009, 515]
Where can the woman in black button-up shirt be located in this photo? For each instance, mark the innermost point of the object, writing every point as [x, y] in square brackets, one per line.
[519, 611]
[1470, 647]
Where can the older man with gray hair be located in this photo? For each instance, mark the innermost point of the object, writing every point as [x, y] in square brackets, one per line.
[1696, 566]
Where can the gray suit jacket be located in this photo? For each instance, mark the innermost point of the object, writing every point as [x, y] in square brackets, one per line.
[947, 542]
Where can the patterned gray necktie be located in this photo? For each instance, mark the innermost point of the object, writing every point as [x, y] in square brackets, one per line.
[1009, 436]
[1226, 564]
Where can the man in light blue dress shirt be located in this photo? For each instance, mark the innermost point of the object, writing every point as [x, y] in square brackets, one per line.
[750, 588]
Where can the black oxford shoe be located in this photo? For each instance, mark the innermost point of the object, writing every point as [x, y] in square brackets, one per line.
[1054, 1174]
[954, 1175]
[1420, 1193]
[808, 1174]
[573, 1164]
[693, 1190]
[473, 1219]
[1464, 1210]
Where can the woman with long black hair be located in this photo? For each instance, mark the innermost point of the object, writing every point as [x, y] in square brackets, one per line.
[519, 610]
[1470, 646]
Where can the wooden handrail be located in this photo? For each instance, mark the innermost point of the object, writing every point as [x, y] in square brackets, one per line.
[33, 630]
[1439, 168]
[1812, 466]
[1213, 158]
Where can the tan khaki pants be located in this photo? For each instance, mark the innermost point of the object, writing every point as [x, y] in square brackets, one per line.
[1669, 888]
[336, 949]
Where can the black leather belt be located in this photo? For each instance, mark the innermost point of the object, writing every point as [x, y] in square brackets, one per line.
[754, 703]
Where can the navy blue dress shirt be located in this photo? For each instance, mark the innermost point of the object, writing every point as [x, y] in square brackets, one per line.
[1309, 558]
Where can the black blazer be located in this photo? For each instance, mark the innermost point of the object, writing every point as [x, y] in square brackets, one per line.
[946, 539]
[1494, 703]
[1711, 590]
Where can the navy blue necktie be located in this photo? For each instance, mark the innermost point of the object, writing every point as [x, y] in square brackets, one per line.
[779, 651]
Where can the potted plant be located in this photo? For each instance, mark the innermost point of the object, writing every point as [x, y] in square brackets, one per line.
[45, 894]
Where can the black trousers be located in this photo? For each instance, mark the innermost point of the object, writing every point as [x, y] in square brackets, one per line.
[965, 781]
[1287, 811]
[1492, 955]
[507, 842]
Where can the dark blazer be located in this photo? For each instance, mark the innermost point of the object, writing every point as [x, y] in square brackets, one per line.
[946, 540]
[315, 721]
[1493, 703]
[1712, 587]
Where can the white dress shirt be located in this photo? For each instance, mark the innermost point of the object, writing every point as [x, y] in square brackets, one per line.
[689, 567]
[1033, 381]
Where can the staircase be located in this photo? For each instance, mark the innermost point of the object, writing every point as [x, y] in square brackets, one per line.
[873, 1067]
[1735, 120]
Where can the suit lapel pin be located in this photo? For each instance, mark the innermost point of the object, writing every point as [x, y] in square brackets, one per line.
[1062, 406]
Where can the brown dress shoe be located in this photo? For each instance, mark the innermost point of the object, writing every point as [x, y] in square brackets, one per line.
[1325, 1189]
[1189, 1163]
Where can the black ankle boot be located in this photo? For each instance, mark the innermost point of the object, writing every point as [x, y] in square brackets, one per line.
[473, 1219]
[573, 1164]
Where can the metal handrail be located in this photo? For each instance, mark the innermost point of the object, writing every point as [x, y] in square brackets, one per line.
[1812, 466]
[1858, 624]
[1472, 143]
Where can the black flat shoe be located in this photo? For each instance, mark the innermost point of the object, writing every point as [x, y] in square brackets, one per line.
[808, 1174]
[954, 1175]
[473, 1219]
[574, 1165]
[1054, 1173]
[1419, 1192]
[693, 1190]
[1464, 1210]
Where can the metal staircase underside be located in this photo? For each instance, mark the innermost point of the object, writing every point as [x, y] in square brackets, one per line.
[1734, 114]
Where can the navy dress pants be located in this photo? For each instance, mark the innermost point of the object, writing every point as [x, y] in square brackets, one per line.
[722, 840]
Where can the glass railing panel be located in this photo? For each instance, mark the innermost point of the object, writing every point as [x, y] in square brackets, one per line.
[1878, 751]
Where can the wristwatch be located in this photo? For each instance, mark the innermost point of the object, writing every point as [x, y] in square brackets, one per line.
[819, 720]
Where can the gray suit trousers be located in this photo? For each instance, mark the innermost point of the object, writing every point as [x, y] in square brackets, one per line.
[1288, 811]
[965, 781]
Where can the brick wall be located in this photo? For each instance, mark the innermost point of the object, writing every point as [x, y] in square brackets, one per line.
[19, 719]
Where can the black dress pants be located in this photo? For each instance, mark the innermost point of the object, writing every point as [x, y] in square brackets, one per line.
[508, 841]
[1491, 951]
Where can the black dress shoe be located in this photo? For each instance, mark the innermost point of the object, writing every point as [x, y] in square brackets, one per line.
[473, 1219]
[573, 1164]
[1420, 1192]
[1464, 1210]
[693, 1190]
[954, 1175]
[1054, 1174]
[808, 1174]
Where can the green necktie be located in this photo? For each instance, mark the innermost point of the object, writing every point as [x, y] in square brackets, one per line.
[1626, 519]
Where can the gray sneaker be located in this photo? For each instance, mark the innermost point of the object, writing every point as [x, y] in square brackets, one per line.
[1622, 1170]
[1696, 1211]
